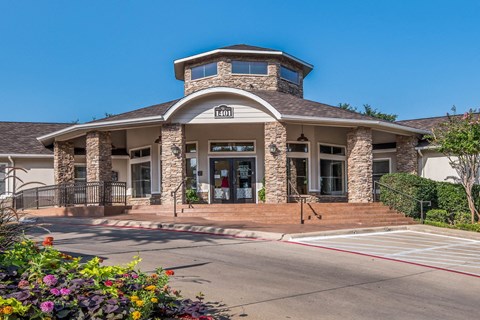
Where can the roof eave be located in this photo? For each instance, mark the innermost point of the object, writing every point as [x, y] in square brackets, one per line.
[355, 122]
[179, 64]
[49, 138]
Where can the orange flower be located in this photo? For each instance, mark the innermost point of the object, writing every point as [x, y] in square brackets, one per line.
[136, 315]
[150, 288]
[48, 241]
[7, 310]
[169, 272]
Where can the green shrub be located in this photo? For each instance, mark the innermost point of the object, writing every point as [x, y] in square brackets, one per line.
[261, 192]
[438, 215]
[191, 196]
[460, 226]
[451, 197]
[412, 185]
[462, 217]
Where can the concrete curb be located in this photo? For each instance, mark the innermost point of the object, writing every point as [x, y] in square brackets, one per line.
[166, 226]
[241, 233]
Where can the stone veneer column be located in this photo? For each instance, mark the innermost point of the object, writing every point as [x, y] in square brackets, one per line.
[173, 167]
[360, 164]
[63, 162]
[99, 156]
[276, 164]
[407, 160]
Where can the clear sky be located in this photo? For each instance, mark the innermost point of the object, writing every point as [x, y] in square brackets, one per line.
[66, 60]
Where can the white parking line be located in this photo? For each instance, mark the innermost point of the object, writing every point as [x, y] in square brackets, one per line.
[440, 251]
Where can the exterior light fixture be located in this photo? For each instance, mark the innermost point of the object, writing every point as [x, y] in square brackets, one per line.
[272, 148]
[175, 150]
[302, 137]
[159, 139]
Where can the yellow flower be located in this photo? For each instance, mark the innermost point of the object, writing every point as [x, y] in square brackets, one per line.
[150, 288]
[134, 298]
[139, 303]
[7, 310]
[47, 318]
[136, 315]
[154, 300]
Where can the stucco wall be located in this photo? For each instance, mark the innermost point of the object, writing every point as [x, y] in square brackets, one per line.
[435, 166]
[37, 170]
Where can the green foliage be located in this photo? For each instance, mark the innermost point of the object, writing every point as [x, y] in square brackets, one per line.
[192, 196]
[437, 215]
[461, 226]
[369, 111]
[451, 197]
[261, 192]
[462, 217]
[411, 185]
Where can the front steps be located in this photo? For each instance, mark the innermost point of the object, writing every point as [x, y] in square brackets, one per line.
[348, 214]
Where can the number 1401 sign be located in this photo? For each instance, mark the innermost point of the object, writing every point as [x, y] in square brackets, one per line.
[223, 112]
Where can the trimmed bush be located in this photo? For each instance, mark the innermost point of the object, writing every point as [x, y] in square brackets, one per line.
[462, 217]
[438, 215]
[412, 185]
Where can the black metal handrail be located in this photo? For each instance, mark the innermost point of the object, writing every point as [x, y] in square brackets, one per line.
[299, 197]
[103, 193]
[174, 195]
[420, 202]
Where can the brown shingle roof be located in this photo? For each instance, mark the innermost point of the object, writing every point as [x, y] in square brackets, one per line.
[246, 47]
[427, 123]
[290, 105]
[286, 104]
[21, 137]
[151, 111]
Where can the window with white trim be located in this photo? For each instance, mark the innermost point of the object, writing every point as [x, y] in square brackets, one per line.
[140, 168]
[3, 180]
[249, 67]
[380, 168]
[80, 173]
[191, 165]
[205, 70]
[332, 169]
[231, 146]
[289, 75]
[297, 167]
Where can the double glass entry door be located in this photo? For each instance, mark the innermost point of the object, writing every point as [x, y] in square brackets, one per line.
[232, 180]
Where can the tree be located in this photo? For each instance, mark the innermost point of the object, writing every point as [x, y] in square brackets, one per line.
[458, 138]
[369, 111]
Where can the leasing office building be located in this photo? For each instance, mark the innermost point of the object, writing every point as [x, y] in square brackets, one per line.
[243, 121]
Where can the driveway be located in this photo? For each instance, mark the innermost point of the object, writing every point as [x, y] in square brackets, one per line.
[261, 279]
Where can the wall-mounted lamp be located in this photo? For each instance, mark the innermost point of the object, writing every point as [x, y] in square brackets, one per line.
[272, 148]
[159, 139]
[175, 150]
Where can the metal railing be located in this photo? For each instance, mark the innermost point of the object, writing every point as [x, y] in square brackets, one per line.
[299, 197]
[102, 193]
[377, 185]
[174, 195]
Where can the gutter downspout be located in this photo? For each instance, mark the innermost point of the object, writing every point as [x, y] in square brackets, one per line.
[422, 162]
[12, 162]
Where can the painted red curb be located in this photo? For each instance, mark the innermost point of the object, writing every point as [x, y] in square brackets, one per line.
[388, 259]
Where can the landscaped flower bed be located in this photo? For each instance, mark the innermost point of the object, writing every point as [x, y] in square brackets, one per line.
[44, 283]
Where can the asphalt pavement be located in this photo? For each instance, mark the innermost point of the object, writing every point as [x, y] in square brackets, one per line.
[269, 279]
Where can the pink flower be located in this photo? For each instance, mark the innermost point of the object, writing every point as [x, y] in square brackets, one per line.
[50, 280]
[23, 284]
[55, 292]
[126, 275]
[47, 306]
[108, 283]
[65, 291]
[134, 276]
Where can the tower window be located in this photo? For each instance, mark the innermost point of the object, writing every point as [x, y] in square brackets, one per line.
[289, 75]
[205, 70]
[249, 67]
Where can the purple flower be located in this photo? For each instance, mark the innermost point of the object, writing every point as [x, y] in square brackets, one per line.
[65, 291]
[55, 292]
[50, 280]
[47, 306]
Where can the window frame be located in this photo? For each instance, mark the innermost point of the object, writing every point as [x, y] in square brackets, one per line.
[303, 155]
[249, 67]
[289, 69]
[190, 155]
[232, 152]
[137, 161]
[204, 76]
[327, 156]
[5, 180]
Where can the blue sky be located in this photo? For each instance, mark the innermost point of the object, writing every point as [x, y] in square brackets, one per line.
[66, 60]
